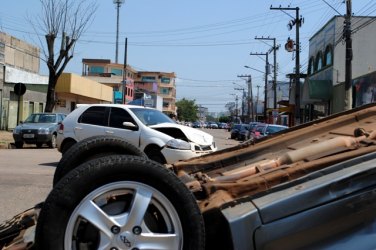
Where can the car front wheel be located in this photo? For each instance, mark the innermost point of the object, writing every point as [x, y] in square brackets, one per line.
[124, 202]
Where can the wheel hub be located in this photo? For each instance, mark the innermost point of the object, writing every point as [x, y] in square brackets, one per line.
[126, 240]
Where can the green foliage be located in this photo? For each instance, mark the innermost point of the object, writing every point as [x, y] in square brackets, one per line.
[224, 119]
[187, 110]
[210, 118]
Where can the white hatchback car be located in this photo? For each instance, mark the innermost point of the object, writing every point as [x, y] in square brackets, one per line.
[161, 138]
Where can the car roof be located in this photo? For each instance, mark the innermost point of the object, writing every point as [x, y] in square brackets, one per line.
[113, 105]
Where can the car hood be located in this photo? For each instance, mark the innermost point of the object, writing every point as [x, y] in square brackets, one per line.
[35, 125]
[192, 134]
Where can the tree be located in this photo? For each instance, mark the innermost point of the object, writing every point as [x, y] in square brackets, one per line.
[231, 108]
[187, 110]
[69, 19]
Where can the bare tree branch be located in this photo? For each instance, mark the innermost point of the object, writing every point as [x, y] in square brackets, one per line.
[64, 21]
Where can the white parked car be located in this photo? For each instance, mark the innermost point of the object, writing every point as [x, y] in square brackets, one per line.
[161, 138]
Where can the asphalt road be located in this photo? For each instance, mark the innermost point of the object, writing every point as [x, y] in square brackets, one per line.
[26, 174]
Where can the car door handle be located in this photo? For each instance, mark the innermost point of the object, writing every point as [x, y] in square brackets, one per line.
[109, 132]
[77, 128]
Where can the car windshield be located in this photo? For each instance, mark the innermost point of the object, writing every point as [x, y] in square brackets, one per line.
[41, 118]
[151, 116]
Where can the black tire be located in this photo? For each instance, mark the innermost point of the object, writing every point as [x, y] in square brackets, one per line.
[52, 143]
[156, 155]
[67, 145]
[18, 144]
[111, 183]
[91, 148]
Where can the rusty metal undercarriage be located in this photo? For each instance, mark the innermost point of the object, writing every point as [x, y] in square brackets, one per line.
[251, 168]
[227, 177]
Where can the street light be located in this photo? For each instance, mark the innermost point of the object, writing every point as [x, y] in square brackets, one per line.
[118, 4]
[245, 66]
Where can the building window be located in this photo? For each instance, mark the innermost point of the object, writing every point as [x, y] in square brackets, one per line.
[311, 66]
[148, 78]
[165, 91]
[318, 65]
[165, 80]
[166, 104]
[96, 69]
[328, 55]
[117, 72]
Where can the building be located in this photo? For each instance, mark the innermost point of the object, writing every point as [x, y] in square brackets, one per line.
[324, 89]
[73, 89]
[149, 82]
[160, 83]
[19, 63]
[111, 74]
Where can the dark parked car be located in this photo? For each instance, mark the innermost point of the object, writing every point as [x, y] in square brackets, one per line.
[312, 186]
[244, 132]
[262, 130]
[38, 128]
[234, 132]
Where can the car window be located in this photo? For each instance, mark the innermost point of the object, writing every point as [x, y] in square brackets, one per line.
[60, 118]
[118, 116]
[273, 129]
[151, 116]
[94, 116]
[260, 129]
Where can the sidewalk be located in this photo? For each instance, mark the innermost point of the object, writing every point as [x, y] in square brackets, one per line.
[6, 138]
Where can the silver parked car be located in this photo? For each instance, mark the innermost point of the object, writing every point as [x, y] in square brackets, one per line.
[38, 128]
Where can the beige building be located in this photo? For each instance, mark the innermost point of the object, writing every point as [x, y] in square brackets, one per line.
[72, 89]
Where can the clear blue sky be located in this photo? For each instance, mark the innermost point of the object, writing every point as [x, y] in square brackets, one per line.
[205, 42]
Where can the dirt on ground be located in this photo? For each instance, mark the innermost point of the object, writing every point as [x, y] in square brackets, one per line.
[6, 138]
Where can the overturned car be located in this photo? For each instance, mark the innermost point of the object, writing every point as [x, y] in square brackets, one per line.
[312, 186]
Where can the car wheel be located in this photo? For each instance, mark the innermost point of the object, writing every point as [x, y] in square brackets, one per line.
[18, 144]
[91, 148]
[155, 155]
[67, 145]
[52, 143]
[124, 202]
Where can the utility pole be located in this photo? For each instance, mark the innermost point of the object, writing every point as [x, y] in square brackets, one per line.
[236, 106]
[274, 49]
[118, 3]
[250, 98]
[266, 81]
[249, 95]
[243, 97]
[257, 100]
[123, 101]
[349, 55]
[297, 21]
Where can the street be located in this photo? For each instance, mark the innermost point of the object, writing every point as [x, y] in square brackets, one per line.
[26, 174]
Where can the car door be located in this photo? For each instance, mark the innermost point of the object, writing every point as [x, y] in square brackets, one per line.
[91, 122]
[117, 117]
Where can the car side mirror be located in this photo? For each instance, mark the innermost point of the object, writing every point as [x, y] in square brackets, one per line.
[130, 125]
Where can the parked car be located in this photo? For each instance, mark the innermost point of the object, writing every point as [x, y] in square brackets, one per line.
[244, 132]
[262, 130]
[213, 125]
[312, 186]
[38, 129]
[235, 131]
[161, 138]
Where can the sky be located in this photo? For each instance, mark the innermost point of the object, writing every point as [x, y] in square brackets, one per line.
[206, 43]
